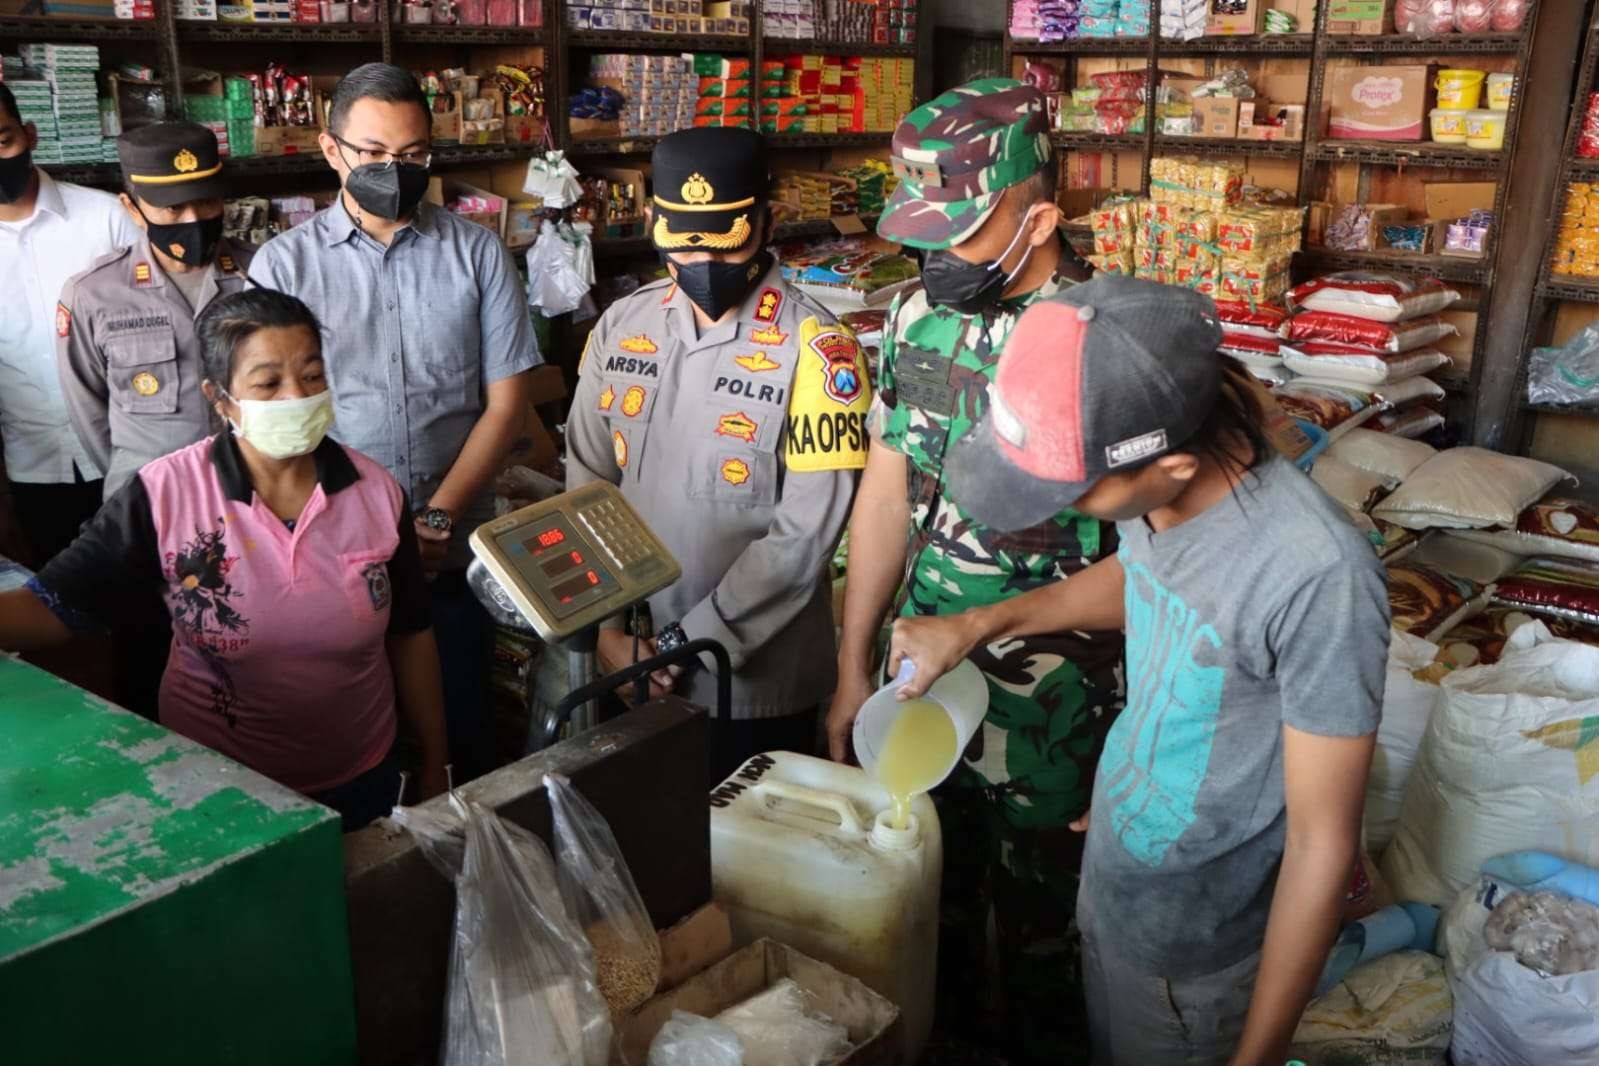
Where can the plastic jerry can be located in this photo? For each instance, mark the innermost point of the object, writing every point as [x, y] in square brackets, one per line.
[802, 851]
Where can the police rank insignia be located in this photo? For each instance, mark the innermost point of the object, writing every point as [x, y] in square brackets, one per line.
[633, 400]
[608, 397]
[756, 362]
[735, 471]
[226, 263]
[640, 344]
[619, 446]
[768, 335]
[767, 306]
[145, 383]
[141, 274]
[739, 426]
[63, 320]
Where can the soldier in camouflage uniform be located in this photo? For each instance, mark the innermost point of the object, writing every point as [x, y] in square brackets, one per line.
[976, 195]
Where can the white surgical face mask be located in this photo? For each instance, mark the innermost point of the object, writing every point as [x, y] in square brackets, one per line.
[284, 429]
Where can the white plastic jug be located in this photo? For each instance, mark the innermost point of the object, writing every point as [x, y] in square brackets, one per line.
[802, 852]
[963, 693]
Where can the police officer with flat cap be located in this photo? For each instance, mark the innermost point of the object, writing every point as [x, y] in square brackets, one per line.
[126, 344]
[730, 409]
[129, 358]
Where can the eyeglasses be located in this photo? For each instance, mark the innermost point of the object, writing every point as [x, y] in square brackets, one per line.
[381, 157]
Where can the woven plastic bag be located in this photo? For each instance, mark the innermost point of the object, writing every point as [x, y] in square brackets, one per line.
[601, 897]
[521, 978]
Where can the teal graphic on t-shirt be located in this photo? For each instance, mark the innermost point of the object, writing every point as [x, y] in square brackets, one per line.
[1159, 749]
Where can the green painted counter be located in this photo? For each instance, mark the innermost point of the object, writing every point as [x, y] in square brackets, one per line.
[158, 902]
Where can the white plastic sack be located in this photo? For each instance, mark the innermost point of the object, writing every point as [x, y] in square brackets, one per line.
[555, 285]
[1460, 927]
[689, 1040]
[1391, 1011]
[1508, 1015]
[1407, 705]
[1505, 765]
[552, 179]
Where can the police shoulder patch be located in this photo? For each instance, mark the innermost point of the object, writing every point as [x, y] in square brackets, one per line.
[826, 425]
[63, 320]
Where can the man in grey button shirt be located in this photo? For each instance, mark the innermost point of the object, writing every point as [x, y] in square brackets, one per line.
[427, 340]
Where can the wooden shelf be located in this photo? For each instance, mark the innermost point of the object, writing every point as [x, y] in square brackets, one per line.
[789, 45]
[1445, 45]
[1444, 267]
[298, 32]
[1230, 145]
[58, 28]
[1407, 153]
[438, 34]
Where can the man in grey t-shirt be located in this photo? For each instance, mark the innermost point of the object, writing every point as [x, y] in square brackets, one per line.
[1227, 804]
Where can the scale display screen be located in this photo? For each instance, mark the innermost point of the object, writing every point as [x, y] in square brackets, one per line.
[558, 565]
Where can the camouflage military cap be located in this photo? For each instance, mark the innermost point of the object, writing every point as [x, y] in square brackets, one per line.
[954, 156]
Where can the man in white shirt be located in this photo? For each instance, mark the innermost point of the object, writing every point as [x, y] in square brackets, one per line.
[48, 233]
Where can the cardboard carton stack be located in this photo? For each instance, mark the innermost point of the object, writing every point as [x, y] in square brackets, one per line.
[725, 91]
[69, 70]
[34, 103]
[660, 92]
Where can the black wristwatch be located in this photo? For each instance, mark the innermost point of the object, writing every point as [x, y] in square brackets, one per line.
[436, 518]
[670, 638]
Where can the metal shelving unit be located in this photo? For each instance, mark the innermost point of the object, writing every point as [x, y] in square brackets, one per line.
[35, 27]
[1554, 288]
[1317, 152]
[279, 32]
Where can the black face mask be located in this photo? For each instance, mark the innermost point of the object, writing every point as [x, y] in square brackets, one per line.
[969, 288]
[388, 190]
[715, 286]
[190, 243]
[14, 177]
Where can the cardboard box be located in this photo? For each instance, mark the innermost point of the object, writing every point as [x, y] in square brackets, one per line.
[1368, 17]
[594, 129]
[1381, 215]
[1451, 200]
[286, 140]
[1262, 120]
[1226, 23]
[1216, 116]
[697, 942]
[534, 447]
[441, 191]
[522, 223]
[1302, 11]
[872, 1021]
[1375, 103]
[630, 224]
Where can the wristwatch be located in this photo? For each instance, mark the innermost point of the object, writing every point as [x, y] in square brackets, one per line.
[670, 638]
[437, 518]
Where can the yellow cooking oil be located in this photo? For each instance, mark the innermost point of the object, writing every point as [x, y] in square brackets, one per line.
[917, 751]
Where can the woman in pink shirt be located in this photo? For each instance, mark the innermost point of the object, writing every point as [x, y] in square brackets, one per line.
[289, 566]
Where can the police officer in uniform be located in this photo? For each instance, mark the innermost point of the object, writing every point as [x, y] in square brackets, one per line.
[126, 344]
[129, 358]
[730, 409]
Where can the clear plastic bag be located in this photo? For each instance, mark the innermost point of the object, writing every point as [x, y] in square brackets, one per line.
[1424, 18]
[555, 282]
[1567, 374]
[689, 1040]
[601, 896]
[521, 978]
[779, 1028]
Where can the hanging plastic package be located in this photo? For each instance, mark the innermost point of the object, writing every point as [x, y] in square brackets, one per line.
[555, 282]
[601, 896]
[521, 977]
[1567, 374]
[552, 179]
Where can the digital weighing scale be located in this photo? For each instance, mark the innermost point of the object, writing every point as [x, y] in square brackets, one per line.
[559, 567]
